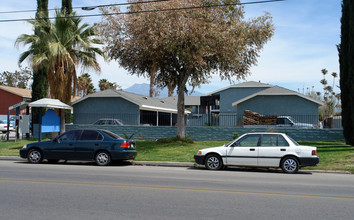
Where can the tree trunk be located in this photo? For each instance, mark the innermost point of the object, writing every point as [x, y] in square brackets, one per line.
[62, 121]
[42, 6]
[180, 113]
[153, 71]
[171, 89]
[67, 6]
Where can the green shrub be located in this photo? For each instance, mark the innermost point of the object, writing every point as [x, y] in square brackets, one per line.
[235, 135]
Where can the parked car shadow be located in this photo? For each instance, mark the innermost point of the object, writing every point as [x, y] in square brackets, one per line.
[86, 163]
[254, 169]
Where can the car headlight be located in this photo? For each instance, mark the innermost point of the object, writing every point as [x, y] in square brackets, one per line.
[199, 152]
[24, 147]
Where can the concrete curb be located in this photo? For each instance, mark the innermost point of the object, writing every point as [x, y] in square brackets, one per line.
[180, 164]
[12, 158]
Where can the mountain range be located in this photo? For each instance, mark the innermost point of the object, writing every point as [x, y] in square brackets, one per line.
[144, 88]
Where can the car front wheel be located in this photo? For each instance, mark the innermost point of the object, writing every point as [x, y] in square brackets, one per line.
[289, 165]
[213, 162]
[34, 156]
[103, 158]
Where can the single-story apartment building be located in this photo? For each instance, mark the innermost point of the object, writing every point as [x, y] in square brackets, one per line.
[130, 108]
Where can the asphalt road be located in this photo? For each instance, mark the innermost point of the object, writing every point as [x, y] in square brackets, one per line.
[86, 191]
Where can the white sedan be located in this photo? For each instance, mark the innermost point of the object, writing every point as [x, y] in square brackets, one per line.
[3, 126]
[259, 150]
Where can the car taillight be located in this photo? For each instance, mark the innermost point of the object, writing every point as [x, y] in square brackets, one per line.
[314, 152]
[127, 144]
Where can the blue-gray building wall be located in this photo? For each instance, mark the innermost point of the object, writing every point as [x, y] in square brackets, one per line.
[299, 108]
[231, 95]
[91, 109]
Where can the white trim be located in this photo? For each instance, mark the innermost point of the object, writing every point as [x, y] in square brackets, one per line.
[159, 109]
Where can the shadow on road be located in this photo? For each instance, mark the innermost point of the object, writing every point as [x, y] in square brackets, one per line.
[253, 169]
[86, 163]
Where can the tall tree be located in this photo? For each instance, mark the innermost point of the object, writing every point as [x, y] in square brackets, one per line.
[85, 85]
[104, 84]
[330, 97]
[40, 73]
[140, 55]
[190, 45]
[18, 79]
[67, 6]
[346, 56]
[66, 43]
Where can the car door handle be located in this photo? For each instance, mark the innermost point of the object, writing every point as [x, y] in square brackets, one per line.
[282, 149]
[252, 149]
[96, 144]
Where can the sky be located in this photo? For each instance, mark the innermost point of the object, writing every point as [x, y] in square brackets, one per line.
[305, 41]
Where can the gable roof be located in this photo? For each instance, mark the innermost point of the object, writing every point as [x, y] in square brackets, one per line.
[188, 100]
[144, 102]
[250, 84]
[276, 90]
[24, 93]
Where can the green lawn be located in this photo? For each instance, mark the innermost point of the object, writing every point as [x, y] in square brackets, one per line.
[11, 148]
[333, 155]
[175, 152]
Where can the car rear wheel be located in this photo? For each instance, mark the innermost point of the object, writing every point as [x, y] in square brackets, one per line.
[213, 162]
[34, 156]
[103, 158]
[289, 165]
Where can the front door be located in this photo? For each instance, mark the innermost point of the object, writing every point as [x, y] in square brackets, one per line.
[63, 147]
[244, 152]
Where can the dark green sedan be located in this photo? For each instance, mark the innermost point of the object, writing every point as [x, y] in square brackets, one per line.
[102, 146]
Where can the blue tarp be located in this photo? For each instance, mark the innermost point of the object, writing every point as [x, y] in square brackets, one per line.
[50, 122]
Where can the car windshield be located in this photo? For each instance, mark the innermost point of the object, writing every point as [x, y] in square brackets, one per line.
[228, 144]
[2, 122]
[112, 135]
[292, 120]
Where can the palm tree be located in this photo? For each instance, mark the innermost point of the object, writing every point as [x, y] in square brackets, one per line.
[104, 84]
[85, 85]
[60, 46]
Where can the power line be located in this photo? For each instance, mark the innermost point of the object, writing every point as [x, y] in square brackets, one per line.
[87, 8]
[150, 11]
